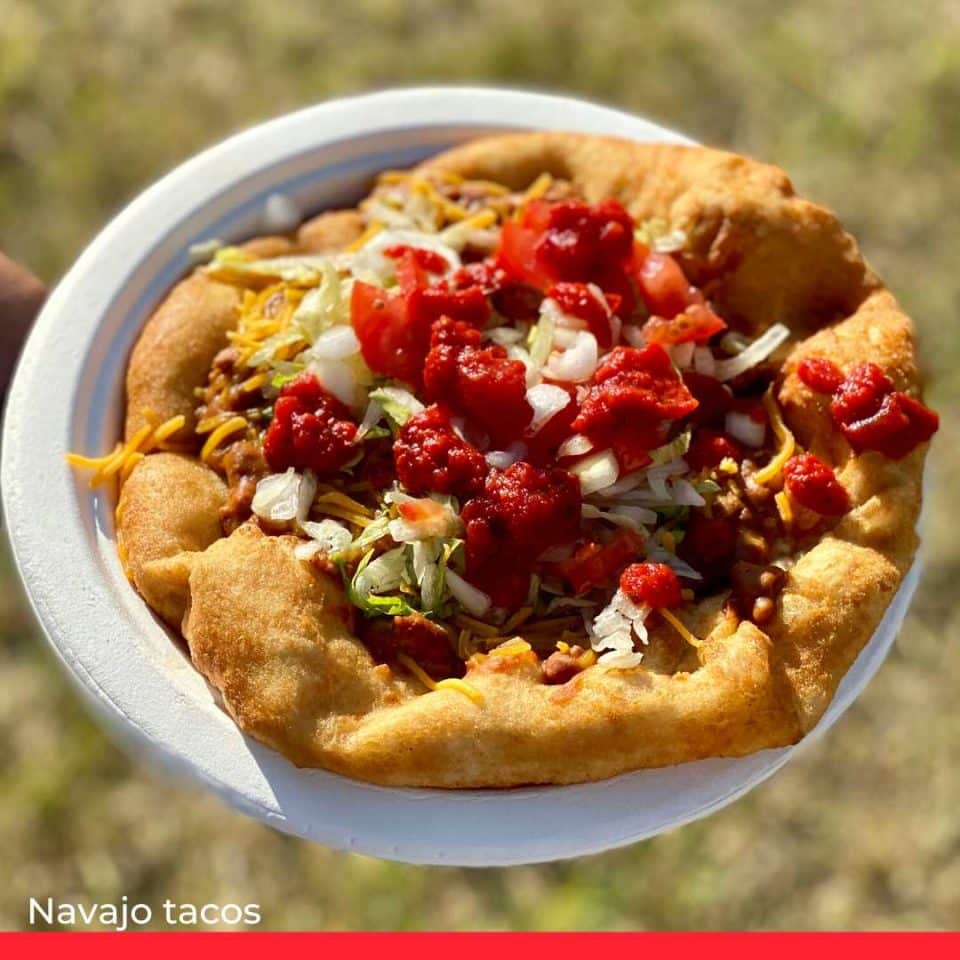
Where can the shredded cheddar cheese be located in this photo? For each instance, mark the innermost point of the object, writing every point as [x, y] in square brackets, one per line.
[785, 438]
[785, 508]
[232, 426]
[521, 616]
[167, 429]
[452, 211]
[451, 683]
[537, 189]
[478, 627]
[125, 456]
[678, 625]
[335, 498]
[368, 234]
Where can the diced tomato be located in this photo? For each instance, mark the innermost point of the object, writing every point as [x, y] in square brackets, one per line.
[697, 322]
[665, 289]
[813, 485]
[597, 565]
[390, 344]
[566, 241]
[653, 584]
[517, 255]
[428, 260]
[394, 327]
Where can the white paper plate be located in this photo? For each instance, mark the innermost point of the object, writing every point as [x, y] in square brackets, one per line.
[68, 396]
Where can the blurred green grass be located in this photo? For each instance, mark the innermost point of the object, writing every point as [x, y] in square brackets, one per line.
[860, 103]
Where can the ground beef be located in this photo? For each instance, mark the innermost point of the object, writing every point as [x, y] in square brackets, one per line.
[419, 638]
[244, 465]
[561, 667]
[754, 590]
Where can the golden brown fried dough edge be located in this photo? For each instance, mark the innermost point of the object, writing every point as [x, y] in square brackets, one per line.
[268, 631]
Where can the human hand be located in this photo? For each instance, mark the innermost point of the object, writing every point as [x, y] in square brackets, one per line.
[21, 296]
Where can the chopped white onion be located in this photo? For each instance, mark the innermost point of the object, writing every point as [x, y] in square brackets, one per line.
[336, 376]
[329, 535]
[370, 259]
[685, 494]
[742, 427]
[703, 361]
[576, 363]
[575, 446]
[596, 471]
[670, 242]
[474, 601]
[633, 518]
[307, 550]
[204, 251]
[281, 214]
[546, 399]
[565, 337]
[613, 630]
[501, 459]
[682, 354]
[282, 497]
[504, 336]
[371, 417]
[422, 519]
[752, 354]
[626, 483]
[633, 335]
[657, 477]
[336, 343]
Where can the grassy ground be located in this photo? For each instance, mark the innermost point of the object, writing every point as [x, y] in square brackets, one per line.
[861, 103]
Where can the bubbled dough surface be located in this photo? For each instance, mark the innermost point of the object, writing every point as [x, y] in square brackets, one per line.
[265, 629]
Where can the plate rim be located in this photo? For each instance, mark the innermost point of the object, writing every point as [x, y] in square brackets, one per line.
[356, 116]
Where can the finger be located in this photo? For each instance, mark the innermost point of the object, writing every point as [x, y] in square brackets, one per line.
[21, 296]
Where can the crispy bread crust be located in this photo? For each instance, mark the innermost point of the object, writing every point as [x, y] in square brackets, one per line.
[269, 633]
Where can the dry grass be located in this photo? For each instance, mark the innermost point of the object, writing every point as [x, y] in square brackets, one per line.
[860, 103]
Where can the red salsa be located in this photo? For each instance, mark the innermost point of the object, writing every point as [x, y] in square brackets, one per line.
[813, 485]
[869, 412]
[653, 584]
[311, 429]
[521, 512]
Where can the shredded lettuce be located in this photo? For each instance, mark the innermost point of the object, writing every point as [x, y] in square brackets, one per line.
[323, 306]
[677, 447]
[370, 587]
[398, 404]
